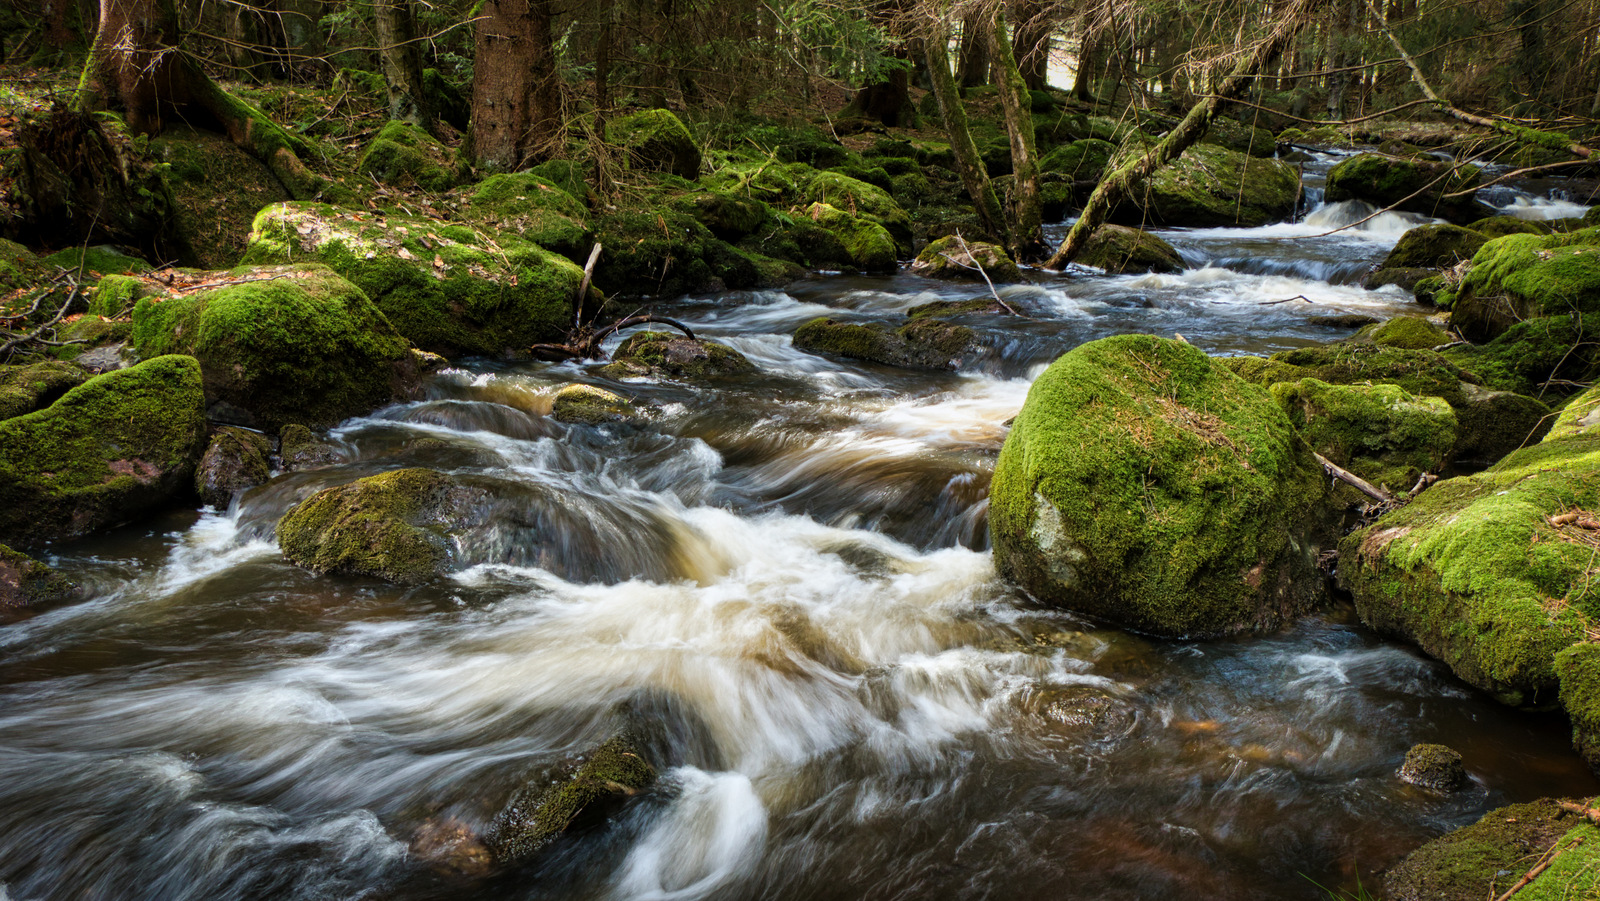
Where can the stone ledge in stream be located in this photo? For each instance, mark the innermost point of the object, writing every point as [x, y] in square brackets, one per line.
[25, 583]
[673, 356]
[586, 795]
[920, 344]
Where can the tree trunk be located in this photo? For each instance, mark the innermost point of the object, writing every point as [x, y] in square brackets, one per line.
[1035, 28]
[1125, 180]
[1027, 235]
[516, 97]
[402, 64]
[302, 35]
[973, 64]
[1083, 78]
[969, 163]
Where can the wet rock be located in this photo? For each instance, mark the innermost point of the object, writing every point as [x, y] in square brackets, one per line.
[404, 155]
[1485, 859]
[535, 208]
[396, 526]
[1118, 249]
[588, 405]
[1408, 333]
[1083, 712]
[445, 287]
[594, 791]
[670, 355]
[25, 583]
[1404, 279]
[1342, 320]
[114, 447]
[451, 848]
[24, 389]
[934, 309]
[235, 460]
[869, 245]
[921, 344]
[1578, 671]
[285, 343]
[656, 141]
[1380, 432]
[1387, 180]
[1435, 767]
[1145, 485]
[98, 344]
[952, 258]
[863, 200]
[1213, 187]
[1519, 277]
[299, 448]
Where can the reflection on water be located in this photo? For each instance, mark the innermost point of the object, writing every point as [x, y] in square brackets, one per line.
[786, 577]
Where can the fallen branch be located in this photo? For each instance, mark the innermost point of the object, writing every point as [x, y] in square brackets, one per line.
[979, 266]
[583, 286]
[1354, 481]
[37, 335]
[1590, 813]
[1270, 303]
[584, 343]
[1543, 864]
[1423, 481]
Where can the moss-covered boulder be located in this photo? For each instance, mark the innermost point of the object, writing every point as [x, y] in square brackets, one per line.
[1435, 767]
[728, 216]
[1524, 357]
[97, 260]
[110, 449]
[1486, 859]
[299, 448]
[397, 526]
[1211, 187]
[26, 583]
[864, 200]
[1244, 138]
[922, 343]
[286, 343]
[1495, 423]
[568, 175]
[24, 389]
[936, 309]
[588, 405]
[665, 251]
[1408, 333]
[584, 796]
[19, 267]
[1148, 486]
[869, 245]
[403, 155]
[1519, 277]
[114, 295]
[217, 188]
[1119, 249]
[656, 141]
[1387, 180]
[952, 257]
[1578, 671]
[1433, 247]
[448, 288]
[1083, 160]
[236, 459]
[674, 356]
[534, 208]
[1380, 432]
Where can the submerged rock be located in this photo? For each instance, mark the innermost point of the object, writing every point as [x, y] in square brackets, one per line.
[299, 449]
[25, 583]
[286, 344]
[952, 258]
[24, 389]
[588, 405]
[921, 344]
[114, 447]
[541, 812]
[1416, 185]
[235, 460]
[1486, 859]
[1435, 767]
[668, 355]
[1145, 485]
[396, 526]
[1118, 249]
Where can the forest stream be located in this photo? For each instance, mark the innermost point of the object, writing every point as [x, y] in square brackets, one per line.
[787, 576]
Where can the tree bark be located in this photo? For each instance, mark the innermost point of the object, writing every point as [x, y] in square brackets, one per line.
[969, 163]
[1027, 234]
[402, 64]
[1035, 28]
[1083, 78]
[972, 67]
[1127, 179]
[516, 97]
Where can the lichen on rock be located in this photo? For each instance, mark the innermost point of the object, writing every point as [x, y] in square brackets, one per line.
[586, 796]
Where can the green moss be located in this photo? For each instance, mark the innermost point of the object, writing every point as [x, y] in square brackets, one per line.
[541, 812]
[1240, 137]
[1500, 226]
[26, 583]
[665, 251]
[449, 289]
[670, 355]
[86, 333]
[1379, 432]
[1408, 333]
[115, 295]
[536, 209]
[1578, 673]
[113, 447]
[800, 241]
[656, 141]
[1578, 418]
[924, 343]
[1118, 249]
[941, 308]
[97, 260]
[1146, 485]
[1436, 767]
[1420, 372]
[1522, 276]
[952, 258]
[877, 176]
[403, 155]
[394, 526]
[588, 405]
[869, 245]
[288, 344]
[1385, 181]
[564, 174]
[1495, 423]
[861, 199]
[1083, 160]
[235, 459]
[1212, 187]
[1434, 247]
[728, 216]
[299, 449]
[1485, 859]
[19, 268]
[216, 190]
[24, 389]
[1527, 354]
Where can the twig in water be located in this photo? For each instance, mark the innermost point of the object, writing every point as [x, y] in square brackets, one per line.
[979, 266]
[1268, 303]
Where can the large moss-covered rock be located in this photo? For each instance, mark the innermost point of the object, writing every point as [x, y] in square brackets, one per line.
[447, 288]
[1380, 432]
[920, 344]
[235, 459]
[26, 583]
[583, 797]
[1433, 247]
[1435, 767]
[1578, 672]
[1210, 187]
[1146, 485]
[114, 447]
[665, 251]
[1519, 277]
[19, 267]
[533, 207]
[1524, 357]
[1407, 333]
[1486, 859]
[728, 216]
[670, 355]
[286, 343]
[1118, 249]
[864, 200]
[869, 245]
[1083, 160]
[1387, 180]
[656, 141]
[397, 526]
[35, 386]
[217, 188]
[952, 257]
[588, 405]
[403, 155]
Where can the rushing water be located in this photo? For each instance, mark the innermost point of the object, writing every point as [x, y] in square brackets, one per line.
[787, 576]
